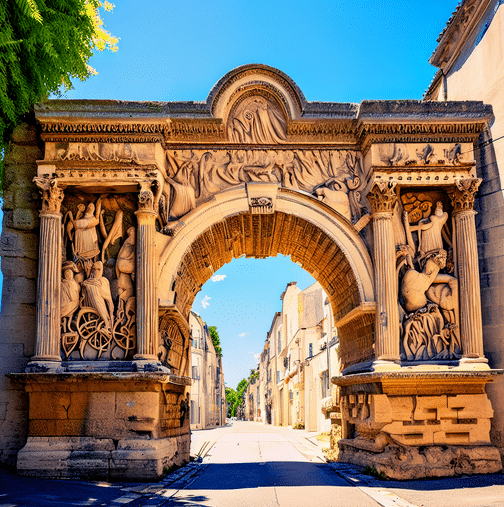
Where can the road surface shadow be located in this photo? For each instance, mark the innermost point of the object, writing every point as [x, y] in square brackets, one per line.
[219, 476]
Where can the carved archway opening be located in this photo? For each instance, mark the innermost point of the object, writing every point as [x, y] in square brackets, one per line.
[320, 249]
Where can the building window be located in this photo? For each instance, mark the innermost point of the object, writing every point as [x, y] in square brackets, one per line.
[310, 350]
[279, 342]
[324, 384]
[278, 376]
[195, 373]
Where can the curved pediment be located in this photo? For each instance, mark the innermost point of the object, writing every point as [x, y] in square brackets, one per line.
[273, 91]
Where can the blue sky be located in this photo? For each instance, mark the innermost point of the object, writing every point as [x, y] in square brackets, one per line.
[335, 51]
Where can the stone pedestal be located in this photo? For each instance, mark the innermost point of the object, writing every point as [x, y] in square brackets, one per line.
[107, 426]
[411, 425]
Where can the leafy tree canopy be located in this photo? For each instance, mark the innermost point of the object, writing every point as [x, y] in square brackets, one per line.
[43, 45]
[215, 340]
[234, 398]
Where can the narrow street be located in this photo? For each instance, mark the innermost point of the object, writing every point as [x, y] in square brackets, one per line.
[252, 465]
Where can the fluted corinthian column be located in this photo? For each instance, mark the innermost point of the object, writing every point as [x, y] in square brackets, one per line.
[471, 329]
[146, 279]
[47, 345]
[382, 198]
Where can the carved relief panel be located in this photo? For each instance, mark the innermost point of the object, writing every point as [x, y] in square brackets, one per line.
[427, 285]
[98, 279]
[335, 177]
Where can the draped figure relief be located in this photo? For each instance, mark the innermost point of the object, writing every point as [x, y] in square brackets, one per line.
[257, 120]
[428, 290]
[336, 177]
[98, 293]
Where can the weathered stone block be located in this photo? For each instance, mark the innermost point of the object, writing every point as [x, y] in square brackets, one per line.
[18, 244]
[42, 428]
[14, 266]
[137, 405]
[69, 427]
[49, 405]
[402, 407]
[79, 405]
[24, 219]
[381, 408]
[19, 290]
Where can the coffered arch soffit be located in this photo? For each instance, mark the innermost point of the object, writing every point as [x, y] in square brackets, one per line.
[225, 227]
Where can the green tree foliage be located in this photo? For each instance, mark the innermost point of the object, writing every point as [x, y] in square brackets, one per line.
[215, 340]
[43, 45]
[231, 397]
[254, 374]
[234, 398]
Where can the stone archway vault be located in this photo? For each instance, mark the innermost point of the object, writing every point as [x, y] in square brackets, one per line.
[293, 223]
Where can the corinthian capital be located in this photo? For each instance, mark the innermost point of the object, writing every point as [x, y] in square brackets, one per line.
[382, 197]
[52, 195]
[462, 194]
[147, 195]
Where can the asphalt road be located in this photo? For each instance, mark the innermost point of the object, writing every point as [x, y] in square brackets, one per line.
[252, 465]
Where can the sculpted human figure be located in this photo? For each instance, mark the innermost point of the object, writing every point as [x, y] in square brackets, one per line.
[415, 285]
[334, 194]
[258, 121]
[125, 266]
[430, 231]
[85, 244]
[70, 291]
[96, 294]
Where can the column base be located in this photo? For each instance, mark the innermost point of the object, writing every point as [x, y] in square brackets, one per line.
[411, 424]
[102, 458]
[47, 364]
[145, 365]
[419, 462]
[385, 365]
[105, 425]
[474, 363]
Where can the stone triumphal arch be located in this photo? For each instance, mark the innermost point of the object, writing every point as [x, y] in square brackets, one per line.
[143, 202]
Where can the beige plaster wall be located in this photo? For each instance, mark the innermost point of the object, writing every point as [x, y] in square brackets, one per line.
[478, 74]
[18, 248]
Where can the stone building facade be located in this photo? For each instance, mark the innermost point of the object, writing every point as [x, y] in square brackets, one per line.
[207, 390]
[116, 213]
[295, 366]
[470, 55]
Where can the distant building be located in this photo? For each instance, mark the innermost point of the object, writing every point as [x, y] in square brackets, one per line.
[297, 362]
[207, 392]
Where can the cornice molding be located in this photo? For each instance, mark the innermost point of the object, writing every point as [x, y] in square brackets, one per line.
[457, 31]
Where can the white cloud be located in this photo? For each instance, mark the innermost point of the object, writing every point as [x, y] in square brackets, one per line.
[205, 301]
[241, 335]
[218, 278]
[257, 356]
